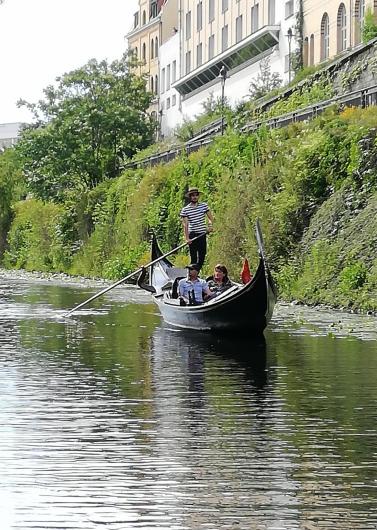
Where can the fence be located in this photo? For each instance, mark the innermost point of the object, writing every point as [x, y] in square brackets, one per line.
[359, 98]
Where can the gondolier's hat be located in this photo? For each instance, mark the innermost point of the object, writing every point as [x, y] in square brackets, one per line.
[193, 266]
[190, 191]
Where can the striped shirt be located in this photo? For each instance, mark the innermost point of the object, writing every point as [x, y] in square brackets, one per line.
[196, 216]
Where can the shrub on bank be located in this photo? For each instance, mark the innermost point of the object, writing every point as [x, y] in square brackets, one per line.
[312, 185]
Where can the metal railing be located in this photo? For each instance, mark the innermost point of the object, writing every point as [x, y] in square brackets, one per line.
[358, 98]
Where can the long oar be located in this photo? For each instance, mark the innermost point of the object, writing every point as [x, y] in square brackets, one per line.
[129, 276]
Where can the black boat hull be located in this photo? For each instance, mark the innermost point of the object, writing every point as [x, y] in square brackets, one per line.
[245, 309]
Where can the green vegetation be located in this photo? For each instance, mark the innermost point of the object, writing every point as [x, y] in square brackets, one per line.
[84, 129]
[313, 186]
[369, 27]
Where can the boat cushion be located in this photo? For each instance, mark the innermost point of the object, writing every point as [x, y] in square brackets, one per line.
[175, 272]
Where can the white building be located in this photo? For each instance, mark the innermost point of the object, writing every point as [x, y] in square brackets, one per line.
[9, 133]
[235, 34]
[170, 99]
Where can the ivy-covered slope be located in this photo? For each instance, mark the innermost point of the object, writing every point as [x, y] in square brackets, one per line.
[313, 186]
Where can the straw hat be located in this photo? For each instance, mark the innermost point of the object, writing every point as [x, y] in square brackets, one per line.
[192, 190]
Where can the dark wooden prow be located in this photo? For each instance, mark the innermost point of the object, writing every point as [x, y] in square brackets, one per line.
[142, 285]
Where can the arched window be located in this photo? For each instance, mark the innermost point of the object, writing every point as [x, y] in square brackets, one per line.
[341, 28]
[152, 84]
[359, 19]
[325, 37]
[156, 84]
[305, 51]
[311, 49]
[144, 52]
[152, 48]
[156, 47]
[136, 52]
[144, 17]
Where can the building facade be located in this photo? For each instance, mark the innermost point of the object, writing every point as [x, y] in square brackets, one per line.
[184, 44]
[9, 133]
[231, 36]
[332, 27]
[153, 41]
[144, 40]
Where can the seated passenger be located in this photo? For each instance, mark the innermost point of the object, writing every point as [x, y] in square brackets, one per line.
[219, 282]
[192, 288]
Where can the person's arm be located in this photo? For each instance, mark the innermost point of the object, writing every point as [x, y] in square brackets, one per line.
[207, 293]
[185, 229]
[210, 221]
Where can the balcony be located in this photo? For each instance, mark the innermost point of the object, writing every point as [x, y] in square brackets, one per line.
[238, 56]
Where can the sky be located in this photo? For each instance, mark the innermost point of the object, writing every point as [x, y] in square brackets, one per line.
[42, 39]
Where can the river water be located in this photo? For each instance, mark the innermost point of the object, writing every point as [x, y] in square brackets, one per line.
[109, 419]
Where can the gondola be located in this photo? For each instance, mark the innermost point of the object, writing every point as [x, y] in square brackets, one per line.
[245, 308]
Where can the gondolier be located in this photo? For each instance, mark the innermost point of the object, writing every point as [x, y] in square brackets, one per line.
[193, 217]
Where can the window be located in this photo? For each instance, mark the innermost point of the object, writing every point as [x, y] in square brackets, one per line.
[311, 49]
[224, 38]
[359, 15]
[188, 25]
[199, 16]
[325, 37]
[168, 77]
[342, 28]
[163, 81]
[152, 48]
[239, 28]
[136, 19]
[168, 104]
[152, 84]
[188, 62]
[254, 18]
[199, 54]
[211, 47]
[144, 52]
[173, 100]
[305, 51]
[174, 72]
[271, 11]
[156, 84]
[144, 18]
[156, 47]
[224, 5]
[289, 8]
[153, 10]
[211, 10]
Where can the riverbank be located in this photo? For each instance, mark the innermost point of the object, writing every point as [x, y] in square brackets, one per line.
[292, 317]
[313, 186]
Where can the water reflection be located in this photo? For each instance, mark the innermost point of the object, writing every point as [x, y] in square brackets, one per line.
[112, 418]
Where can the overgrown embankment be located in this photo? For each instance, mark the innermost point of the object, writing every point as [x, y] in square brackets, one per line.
[313, 186]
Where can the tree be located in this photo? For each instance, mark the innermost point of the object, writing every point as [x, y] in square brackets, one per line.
[265, 82]
[11, 190]
[85, 127]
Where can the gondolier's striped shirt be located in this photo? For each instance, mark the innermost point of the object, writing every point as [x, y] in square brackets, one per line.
[196, 217]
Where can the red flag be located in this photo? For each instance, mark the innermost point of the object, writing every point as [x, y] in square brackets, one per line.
[246, 275]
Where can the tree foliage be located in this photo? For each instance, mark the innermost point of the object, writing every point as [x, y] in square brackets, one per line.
[265, 82]
[84, 127]
[11, 190]
[369, 27]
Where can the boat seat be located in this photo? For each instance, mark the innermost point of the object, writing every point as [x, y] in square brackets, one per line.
[175, 272]
[174, 291]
